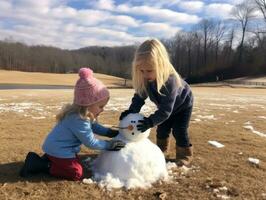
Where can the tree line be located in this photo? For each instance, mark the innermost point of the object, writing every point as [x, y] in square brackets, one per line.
[211, 50]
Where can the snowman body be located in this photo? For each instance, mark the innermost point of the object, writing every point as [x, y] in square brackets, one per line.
[139, 164]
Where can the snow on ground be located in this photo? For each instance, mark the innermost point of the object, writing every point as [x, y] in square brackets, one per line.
[38, 110]
[205, 106]
[249, 127]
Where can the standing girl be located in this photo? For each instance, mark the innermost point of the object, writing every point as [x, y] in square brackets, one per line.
[155, 77]
[76, 125]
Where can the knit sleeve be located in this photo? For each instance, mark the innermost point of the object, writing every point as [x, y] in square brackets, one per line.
[137, 102]
[167, 101]
[99, 129]
[83, 131]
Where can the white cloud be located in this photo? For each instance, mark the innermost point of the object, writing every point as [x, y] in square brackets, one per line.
[55, 23]
[155, 3]
[123, 20]
[159, 15]
[63, 12]
[219, 10]
[107, 37]
[233, 2]
[103, 4]
[38, 7]
[191, 6]
[90, 17]
[5, 5]
[159, 29]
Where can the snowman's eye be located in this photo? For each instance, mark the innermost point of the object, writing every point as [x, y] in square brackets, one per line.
[133, 133]
[133, 121]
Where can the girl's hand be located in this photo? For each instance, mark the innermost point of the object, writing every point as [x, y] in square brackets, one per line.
[144, 124]
[116, 145]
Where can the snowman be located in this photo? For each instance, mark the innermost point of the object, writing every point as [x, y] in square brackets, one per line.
[139, 164]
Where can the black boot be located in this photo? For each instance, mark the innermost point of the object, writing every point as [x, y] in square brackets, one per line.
[34, 164]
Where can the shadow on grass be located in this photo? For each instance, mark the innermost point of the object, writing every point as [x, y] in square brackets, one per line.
[9, 172]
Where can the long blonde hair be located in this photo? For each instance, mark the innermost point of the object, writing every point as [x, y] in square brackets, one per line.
[68, 109]
[152, 54]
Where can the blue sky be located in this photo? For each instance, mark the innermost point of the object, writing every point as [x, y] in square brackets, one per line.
[72, 24]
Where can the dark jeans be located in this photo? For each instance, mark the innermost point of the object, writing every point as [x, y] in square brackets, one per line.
[178, 123]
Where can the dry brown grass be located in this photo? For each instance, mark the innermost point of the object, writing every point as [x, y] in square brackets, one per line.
[212, 169]
[36, 78]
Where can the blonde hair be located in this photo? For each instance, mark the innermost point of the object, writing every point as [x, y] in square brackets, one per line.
[153, 55]
[68, 109]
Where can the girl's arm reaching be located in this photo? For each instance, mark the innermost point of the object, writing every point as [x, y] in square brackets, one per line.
[103, 131]
[136, 103]
[170, 95]
[99, 129]
[83, 131]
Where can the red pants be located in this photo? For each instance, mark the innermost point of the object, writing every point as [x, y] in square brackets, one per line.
[68, 168]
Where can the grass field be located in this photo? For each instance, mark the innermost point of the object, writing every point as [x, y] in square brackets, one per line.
[235, 117]
[37, 78]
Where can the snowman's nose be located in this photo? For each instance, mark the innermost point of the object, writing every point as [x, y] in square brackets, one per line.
[129, 127]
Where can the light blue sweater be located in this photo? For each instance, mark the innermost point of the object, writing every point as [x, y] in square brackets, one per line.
[65, 139]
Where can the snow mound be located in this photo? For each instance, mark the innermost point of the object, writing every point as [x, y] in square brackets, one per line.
[138, 164]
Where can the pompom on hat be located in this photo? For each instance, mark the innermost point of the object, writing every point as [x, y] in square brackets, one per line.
[89, 90]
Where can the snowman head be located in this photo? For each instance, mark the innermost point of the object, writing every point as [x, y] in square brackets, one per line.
[128, 127]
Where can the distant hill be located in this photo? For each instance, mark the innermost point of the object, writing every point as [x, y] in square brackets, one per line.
[37, 78]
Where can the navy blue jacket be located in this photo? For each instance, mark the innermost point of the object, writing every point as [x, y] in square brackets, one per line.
[173, 99]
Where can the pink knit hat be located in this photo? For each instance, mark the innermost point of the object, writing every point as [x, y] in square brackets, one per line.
[89, 90]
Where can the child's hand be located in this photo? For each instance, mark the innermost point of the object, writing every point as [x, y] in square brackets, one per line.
[144, 124]
[125, 113]
[116, 145]
[112, 133]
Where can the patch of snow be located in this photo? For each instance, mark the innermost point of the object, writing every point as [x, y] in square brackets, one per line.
[254, 160]
[196, 120]
[87, 181]
[248, 127]
[206, 117]
[215, 143]
[223, 196]
[221, 106]
[262, 117]
[41, 117]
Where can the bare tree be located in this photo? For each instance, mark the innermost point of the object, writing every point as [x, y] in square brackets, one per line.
[219, 31]
[190, 40]
[206, 26]
[229, 45]
[261, 5]
[243, 12]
